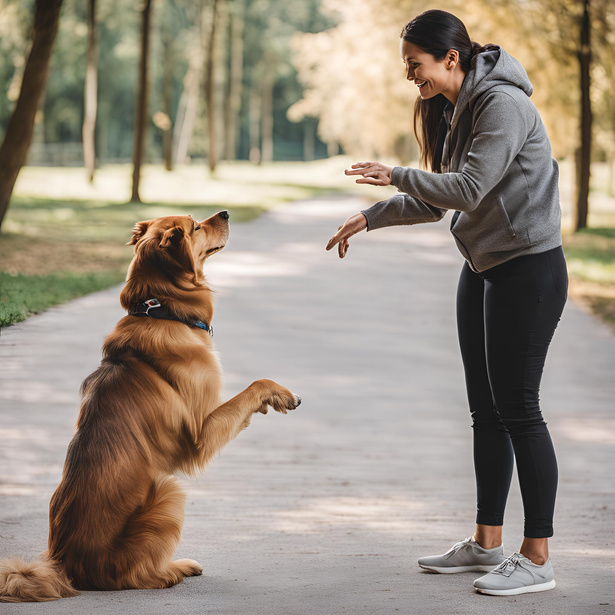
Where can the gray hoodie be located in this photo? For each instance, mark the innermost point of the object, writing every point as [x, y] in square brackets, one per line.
[497, 171]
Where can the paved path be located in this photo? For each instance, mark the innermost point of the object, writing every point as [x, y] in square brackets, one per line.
[325, 511]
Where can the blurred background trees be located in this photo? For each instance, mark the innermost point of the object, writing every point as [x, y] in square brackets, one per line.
[265, 80]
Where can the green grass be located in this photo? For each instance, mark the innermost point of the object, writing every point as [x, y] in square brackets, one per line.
[591, 255]
[23, 295]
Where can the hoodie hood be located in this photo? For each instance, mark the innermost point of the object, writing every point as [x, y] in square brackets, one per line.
[488, 70]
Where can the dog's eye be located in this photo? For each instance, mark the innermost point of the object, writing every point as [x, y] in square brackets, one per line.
[198, 227]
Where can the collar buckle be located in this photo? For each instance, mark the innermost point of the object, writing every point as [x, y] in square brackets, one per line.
[151, 303]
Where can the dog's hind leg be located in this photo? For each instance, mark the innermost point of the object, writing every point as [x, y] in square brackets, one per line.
[187, 567]
[150, 539]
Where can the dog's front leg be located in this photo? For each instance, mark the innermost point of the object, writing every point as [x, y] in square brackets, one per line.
[227, 420]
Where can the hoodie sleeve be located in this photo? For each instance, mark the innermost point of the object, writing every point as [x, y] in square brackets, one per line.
[499, 132]
[401, 209]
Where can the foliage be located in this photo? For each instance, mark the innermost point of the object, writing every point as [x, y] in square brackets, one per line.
[354, 81]
[269, 27]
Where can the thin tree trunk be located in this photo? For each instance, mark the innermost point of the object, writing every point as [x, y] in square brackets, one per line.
[167, 83]
[140, 128]
[186, 114]
[267, 110]
[309, 128]
[255, 117]
[210, 89]
[20, 127]
[235, 82]
[586, 122]
[90, 95]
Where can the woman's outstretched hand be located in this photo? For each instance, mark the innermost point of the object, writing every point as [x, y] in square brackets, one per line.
[373, 173]
[352, 226]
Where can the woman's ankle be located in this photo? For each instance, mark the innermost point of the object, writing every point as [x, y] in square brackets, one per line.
[488, 536]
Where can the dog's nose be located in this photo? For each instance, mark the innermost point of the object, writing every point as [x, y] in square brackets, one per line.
[224, 214]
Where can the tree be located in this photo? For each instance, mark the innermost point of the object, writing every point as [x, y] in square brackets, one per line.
[90, 95]
[142, 103]
[584, 162]
[234, 90]
[210, 64]
[20, 127]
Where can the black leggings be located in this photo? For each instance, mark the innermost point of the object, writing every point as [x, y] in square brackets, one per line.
[506, 317]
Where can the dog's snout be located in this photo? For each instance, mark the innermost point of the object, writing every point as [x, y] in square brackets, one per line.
[224, 214]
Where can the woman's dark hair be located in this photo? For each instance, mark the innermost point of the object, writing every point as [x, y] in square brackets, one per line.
[436, 32]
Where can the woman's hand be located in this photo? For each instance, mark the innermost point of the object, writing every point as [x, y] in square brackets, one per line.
[373, 173]
[351, 227]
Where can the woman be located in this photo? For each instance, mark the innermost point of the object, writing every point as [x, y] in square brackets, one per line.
[491, 162]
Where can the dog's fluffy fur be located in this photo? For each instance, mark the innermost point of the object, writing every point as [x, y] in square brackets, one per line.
[150, 410]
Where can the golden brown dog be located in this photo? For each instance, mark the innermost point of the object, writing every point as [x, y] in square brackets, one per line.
[150, 410]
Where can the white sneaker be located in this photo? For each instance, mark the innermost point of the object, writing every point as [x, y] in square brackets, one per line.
[516, 575]
[464, 556]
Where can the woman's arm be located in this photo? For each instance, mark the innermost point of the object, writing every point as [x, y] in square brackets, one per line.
[401, 209]
[499, 130]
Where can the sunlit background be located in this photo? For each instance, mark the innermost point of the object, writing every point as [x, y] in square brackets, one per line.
[252, 103]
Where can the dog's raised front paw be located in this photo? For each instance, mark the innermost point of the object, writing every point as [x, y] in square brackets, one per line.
[277, 397]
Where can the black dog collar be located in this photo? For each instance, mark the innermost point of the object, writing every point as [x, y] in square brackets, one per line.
[154, 309]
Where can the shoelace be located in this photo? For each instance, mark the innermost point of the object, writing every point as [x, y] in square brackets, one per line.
[508, 566]
[459, 545]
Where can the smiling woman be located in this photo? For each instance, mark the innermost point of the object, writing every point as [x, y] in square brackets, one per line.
[490, 160]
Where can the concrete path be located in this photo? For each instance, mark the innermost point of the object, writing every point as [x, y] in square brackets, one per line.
[326, 510]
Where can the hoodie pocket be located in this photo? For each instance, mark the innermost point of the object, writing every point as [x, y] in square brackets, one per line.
[508, 223]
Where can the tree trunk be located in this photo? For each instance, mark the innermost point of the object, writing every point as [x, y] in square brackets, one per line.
[309, 134]
[140, 128]
[210, 89]
[254, 112]
[267, 110]
[235, 81]
[586, 122]
[186, 114]
[90, 96]
[20, 126]
[167, 85]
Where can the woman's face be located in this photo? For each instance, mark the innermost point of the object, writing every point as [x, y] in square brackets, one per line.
[431, 76]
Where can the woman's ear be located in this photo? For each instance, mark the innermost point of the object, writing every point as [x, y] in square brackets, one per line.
[138, 231]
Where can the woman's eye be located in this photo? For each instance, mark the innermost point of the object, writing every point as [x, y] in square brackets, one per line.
[198, 227]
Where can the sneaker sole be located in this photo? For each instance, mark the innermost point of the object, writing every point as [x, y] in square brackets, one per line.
[530, 589]
[454, 569]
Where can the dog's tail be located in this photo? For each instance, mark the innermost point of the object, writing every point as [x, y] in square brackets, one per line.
[40, 580]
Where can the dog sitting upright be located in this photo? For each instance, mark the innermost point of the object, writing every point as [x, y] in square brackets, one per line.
[150, 410]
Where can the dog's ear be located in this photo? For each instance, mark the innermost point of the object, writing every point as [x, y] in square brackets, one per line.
[182, 250]
[172, 237]
[138, 231]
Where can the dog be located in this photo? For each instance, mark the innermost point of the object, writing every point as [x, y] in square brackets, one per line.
[151, 409]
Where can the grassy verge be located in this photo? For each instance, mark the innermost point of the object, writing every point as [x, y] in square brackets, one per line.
[59, 250]
[22, 295]
[590, 254]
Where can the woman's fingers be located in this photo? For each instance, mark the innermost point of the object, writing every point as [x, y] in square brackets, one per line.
[373, 181]
[351, 227]
[373, 173]
[335, 239]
